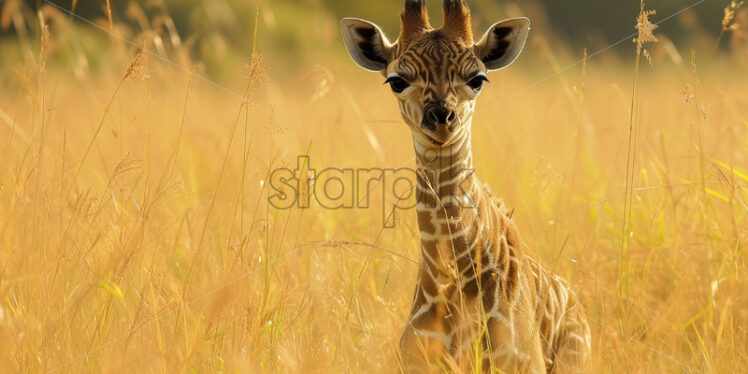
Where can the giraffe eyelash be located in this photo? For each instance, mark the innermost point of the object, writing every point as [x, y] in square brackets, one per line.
[397, 83]
[476, 83]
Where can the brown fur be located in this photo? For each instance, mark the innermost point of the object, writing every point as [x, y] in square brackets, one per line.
[414, 21]
[457, 21]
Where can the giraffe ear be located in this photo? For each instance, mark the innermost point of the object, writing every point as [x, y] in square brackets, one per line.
[502, 43]
[366, 44]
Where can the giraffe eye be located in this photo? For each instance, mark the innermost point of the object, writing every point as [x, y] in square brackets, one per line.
[477, 83]
[397, 84]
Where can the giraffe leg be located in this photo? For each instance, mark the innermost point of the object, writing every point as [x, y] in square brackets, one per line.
[574, 345]
[425, 341]
[420, 354]
[515, 346]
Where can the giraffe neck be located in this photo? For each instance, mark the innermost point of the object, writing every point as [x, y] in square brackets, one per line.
[474, 274]
[447, 193]
[445, 174]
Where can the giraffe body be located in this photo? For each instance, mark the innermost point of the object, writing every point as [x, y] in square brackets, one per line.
[482, 300]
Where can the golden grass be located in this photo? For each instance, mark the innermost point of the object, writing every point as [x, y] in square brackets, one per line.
[135, 233]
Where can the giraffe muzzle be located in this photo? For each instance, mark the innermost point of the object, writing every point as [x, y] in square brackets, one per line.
[439, 122]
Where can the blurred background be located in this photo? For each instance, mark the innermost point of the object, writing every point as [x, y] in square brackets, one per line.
[295, 34]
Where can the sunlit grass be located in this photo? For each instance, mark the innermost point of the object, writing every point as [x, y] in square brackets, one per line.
[136, 236]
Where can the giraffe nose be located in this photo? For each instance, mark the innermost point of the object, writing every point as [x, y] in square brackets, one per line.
[436, 115]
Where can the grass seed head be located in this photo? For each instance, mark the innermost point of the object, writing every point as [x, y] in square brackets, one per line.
[256, 70]
[693, 83]
[645, 29]
[138, 66]
[272, 126]
[728, 22]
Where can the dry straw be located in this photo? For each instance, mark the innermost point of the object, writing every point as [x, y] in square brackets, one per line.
[109, 15]
[645, 35]
[137, 67]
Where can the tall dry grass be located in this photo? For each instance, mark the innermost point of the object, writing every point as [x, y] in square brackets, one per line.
[136, 236]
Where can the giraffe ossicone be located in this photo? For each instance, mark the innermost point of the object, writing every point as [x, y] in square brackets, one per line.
[482, 300]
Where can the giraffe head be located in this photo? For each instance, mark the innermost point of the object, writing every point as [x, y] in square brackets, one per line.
[436, 74]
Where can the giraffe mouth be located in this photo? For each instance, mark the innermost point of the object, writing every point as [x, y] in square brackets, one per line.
[440, 139]
[434, 141]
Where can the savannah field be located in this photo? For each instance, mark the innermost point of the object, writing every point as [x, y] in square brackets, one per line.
[137, 236]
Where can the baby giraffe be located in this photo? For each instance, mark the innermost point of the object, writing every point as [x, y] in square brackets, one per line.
[482, 301]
